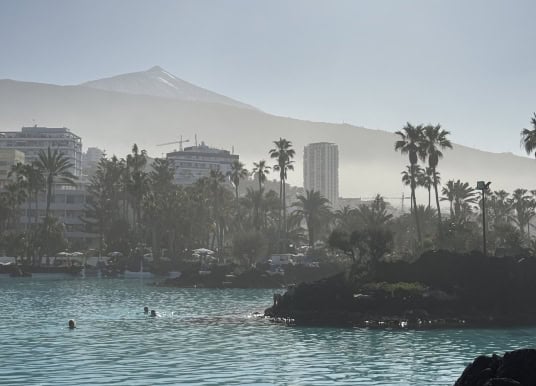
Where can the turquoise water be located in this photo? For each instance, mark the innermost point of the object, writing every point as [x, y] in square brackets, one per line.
[208, 337]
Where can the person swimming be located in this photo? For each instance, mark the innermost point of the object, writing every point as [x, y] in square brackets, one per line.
[153, 313]
[72, 324]
[145, 310]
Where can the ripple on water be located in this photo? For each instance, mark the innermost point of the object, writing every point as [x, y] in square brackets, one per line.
[208, 337]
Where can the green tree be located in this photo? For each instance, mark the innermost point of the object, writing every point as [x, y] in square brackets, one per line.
[314, 208]
[462, 197]
[374, 215]
[283, 153]
[261, 170]
[410, 142]
[434, 142]
[528, 137]
[138, 183]
[55, 167]
[237, 173]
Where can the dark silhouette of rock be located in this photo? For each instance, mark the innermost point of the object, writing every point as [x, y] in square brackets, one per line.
[514, 368]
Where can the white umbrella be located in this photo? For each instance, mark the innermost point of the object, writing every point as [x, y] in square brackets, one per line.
[64, 254]
[203, 251]
[116, 254]
[77, 254]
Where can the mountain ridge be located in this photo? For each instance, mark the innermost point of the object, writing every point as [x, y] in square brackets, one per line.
[160, 83]
[114, 120]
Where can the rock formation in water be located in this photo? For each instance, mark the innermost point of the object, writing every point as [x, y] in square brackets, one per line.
[515, 368]
[441, 289]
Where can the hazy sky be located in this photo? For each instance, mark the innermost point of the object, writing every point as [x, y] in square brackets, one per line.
[470, 65]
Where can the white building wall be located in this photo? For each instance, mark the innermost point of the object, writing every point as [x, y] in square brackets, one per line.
[321, 169]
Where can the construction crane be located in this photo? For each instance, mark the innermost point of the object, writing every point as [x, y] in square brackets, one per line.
[180, 142]
[404, 197]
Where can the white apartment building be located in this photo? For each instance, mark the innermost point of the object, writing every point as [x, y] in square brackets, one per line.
[196, 162]
[31, 140]
[321, 170]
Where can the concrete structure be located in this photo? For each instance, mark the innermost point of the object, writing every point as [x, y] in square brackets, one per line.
[92, 156]
[68, 206]
[196, 162]
[31, 140]
[321, 169]
[69, 202]
[8, 158]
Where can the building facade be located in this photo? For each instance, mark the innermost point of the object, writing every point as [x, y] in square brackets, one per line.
[8, 158]
[321, 170]
[68, 202]
[31, 140]
[196, 162]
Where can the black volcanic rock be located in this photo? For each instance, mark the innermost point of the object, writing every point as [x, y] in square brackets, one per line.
[514, 368]
[441, 289]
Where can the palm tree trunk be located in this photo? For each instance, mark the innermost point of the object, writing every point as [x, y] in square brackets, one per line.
[437, 197]
[429, 197]
[417, 224]
[285, 236]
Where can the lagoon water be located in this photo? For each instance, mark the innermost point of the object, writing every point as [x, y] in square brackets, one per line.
[209, 337]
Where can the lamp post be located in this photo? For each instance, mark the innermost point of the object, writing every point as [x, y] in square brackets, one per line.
[483, 186]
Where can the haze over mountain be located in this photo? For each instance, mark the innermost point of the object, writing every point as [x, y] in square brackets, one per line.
[154, 107]
[158, 82]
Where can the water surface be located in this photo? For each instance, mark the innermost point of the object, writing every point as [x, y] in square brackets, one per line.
[209, 337]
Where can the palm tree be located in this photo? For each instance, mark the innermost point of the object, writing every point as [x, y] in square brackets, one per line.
[237, 173]
[410, 142]
[408, 179]
[461, 197]
[55, 167]
[375, 215]
[434, 142]
[523, 206]
[261, 170]
[314, 208]
[284, 153]
[528, 137]
[448, 195]
[426, 180]
[138, 183]
[346, 218]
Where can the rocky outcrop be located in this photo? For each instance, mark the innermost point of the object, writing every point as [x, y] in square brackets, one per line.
[441, 289]
[514, 368]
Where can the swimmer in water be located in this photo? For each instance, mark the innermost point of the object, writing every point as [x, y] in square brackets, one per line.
[153, 313]
[145, 310]
[72, 324]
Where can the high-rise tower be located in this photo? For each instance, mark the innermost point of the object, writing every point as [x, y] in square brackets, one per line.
[321, 169]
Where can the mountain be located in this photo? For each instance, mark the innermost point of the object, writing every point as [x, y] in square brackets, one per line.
[158, 82]
[115, 120]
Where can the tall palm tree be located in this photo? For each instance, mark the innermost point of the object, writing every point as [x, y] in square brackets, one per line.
[434, 142]
[410, 178]
[261, 170]
[523, 207]
[55, 167]
[237, 173]
[410, 143]
[283, 153]
[426, 180]
[314, 208]
[528, 137]
[138, 184]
